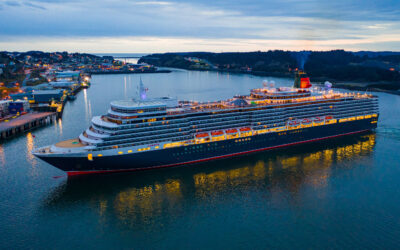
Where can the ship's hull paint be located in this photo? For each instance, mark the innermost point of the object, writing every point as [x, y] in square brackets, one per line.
[206, 151]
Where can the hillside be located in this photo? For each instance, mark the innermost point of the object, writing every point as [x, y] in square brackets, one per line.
[378, 68]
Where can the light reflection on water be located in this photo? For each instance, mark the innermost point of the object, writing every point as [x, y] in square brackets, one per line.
[60, 127]
[29, 147]
[2, 156]
[142, 200]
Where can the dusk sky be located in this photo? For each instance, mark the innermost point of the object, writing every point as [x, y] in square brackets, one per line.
[107, 26]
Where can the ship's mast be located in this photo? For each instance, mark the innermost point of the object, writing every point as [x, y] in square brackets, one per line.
[142, 90]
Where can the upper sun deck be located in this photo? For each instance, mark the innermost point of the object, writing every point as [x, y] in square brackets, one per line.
[273, 97]
[279, 93]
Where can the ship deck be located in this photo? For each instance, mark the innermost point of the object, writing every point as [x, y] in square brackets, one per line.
[72, 143]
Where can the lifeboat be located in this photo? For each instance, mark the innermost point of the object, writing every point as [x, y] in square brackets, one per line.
[202, 135]
[217, 133]
[318, 119]
[231, 131]
[294, 123]
[328, 117]
[245, 129]
[306, 121]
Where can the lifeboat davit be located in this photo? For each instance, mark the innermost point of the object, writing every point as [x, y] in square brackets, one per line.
[231, 131]
[306, 121]
[217, 133]
[202, 135]
[245, 129]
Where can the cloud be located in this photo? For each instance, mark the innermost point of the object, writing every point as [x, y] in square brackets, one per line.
[310, 22]
[11, 3]
[182, 44]
[36, 6]
[153, 3]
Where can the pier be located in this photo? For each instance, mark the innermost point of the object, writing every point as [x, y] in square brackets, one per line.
[25, 123]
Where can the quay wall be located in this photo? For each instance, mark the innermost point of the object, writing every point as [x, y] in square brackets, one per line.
[25, 123]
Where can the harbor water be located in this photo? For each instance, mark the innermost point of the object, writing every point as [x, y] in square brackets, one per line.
[342, 193]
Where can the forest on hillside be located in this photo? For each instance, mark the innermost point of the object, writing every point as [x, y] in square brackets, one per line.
[335, 65]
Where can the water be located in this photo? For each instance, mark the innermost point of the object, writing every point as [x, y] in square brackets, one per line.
[338, 194]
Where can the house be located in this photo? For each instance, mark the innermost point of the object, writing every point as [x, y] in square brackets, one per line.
[4, 107]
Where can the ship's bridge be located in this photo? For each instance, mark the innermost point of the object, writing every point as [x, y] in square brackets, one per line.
[133, 106]
[133, 109]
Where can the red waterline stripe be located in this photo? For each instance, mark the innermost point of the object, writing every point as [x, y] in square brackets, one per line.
[72, 173]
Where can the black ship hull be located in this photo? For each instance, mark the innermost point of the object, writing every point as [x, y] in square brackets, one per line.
[207, 151]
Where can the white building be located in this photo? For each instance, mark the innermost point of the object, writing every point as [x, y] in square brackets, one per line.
[4, 107]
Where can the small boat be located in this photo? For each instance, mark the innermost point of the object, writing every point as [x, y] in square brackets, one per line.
[202, 135]
[217, 133]
[71, 97]
[245, 129]
[231, 131]
[306, 121]
[329, 117]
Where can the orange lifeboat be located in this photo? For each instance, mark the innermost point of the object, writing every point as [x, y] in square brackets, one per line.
[202, 135]
[231, 131]
[245, 129]
[329, 117]
[217, 133]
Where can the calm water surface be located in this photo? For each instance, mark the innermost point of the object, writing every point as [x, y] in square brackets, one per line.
[338, 194]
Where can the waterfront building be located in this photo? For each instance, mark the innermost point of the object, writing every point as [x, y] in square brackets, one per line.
[64, 85]
[4, 107]
[19, 106]
[47, 96]
[71, 76]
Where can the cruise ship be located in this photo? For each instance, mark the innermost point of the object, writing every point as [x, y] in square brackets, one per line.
[148, 133]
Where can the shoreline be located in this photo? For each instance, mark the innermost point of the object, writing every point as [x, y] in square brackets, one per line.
[127, 72]
[350, 85]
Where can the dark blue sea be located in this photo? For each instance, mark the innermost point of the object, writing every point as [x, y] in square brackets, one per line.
[343, 193]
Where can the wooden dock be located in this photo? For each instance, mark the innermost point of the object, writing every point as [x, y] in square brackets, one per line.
[25, 123]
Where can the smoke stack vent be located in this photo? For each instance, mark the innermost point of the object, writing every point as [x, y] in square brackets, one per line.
[301, 80]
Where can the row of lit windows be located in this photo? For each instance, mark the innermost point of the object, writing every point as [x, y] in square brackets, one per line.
[243, 139]
[175, 144]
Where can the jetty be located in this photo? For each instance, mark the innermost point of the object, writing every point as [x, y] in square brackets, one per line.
[25, 123]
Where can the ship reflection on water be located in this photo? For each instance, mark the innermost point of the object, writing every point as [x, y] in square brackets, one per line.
[137, 199]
